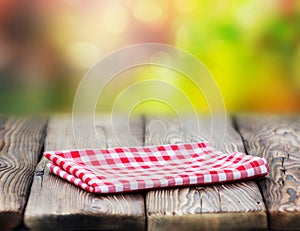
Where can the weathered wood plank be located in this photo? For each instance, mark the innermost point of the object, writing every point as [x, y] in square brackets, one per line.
[21, 141]
[278, 140]
[236, 206]
[55, 204]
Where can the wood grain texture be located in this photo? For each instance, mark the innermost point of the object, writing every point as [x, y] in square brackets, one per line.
[21, 141]
[55, 204]
[278, 140]
[236, 206]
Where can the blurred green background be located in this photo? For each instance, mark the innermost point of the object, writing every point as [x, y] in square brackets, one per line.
[251, 47]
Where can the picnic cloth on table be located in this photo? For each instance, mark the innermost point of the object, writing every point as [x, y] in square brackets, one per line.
[139, 168]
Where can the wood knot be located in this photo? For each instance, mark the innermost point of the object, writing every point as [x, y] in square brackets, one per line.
[39, 173]
[280, 181]
[292, 193]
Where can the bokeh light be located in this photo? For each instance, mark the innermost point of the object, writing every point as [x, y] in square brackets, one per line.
[251, 47]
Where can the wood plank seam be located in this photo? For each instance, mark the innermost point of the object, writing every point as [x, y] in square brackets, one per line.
[145, 210]
[37, 172]
[22, 226]
[247, 147]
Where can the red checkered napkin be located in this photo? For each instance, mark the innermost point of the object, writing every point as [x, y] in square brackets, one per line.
[131, 169]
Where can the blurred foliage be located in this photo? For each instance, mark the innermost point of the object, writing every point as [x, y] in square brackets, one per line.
[251, 47]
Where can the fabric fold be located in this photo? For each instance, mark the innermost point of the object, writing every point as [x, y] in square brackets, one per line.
[126, 169]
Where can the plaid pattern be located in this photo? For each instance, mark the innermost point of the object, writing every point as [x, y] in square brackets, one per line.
[138, 168]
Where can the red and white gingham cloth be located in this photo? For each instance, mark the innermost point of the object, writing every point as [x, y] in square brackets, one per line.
[138, 168]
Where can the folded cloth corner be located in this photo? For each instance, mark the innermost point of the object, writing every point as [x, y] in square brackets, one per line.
[126, 169]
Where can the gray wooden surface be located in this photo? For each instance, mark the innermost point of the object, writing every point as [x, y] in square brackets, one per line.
[53, 204]
[278, 140]
[236, 206]
[21, 141]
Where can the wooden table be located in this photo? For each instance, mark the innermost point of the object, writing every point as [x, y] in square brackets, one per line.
[33, 198]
